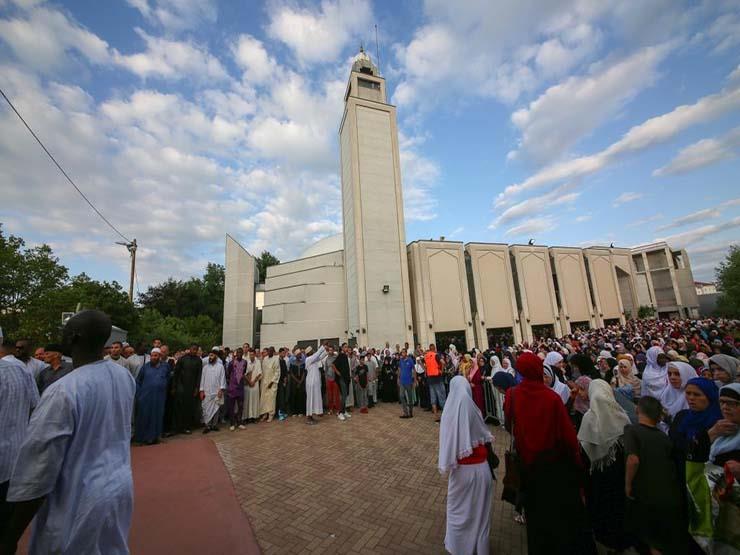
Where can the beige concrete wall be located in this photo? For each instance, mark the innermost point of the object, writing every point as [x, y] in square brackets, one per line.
[374, 233]
[493, 290]
[575, 300]
[534, 277]
[240, 278]
[304, 300]
[443, 302]
[605, 288]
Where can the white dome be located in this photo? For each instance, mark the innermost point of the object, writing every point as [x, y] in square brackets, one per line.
[331, 243]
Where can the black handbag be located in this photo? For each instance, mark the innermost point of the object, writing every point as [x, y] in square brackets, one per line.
[512, 467]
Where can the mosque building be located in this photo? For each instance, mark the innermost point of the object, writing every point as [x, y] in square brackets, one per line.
[368, 287]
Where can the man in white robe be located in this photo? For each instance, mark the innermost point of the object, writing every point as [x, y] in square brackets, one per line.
[252, 389]
[212, 386]
[270, 378]
[314, 403]
[74, 469]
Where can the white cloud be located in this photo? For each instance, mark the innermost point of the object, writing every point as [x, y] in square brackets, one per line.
[735, 74]
[320, 34]
[694, 217]
[646, 220]
[566, 112]
[535, 205]
[420, 175]
[251, 55]
[584, 218]
[703, 153]
[725, 32]
[533, 225]
[626, 197]
[46, 38]
[649, 133]
[700, 233]
[171, 59]
[177, 15]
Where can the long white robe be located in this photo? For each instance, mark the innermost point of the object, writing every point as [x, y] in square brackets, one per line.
[469, 495]
[314, 404]
[252, 394]
[270, 378]
[77, 454]
[212, 380]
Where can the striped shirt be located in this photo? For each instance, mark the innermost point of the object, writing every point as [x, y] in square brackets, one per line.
[19, 396]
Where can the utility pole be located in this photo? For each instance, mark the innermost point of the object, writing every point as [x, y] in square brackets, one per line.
[132, 250]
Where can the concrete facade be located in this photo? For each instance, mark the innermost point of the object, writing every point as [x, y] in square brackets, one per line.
[665, 281]
[240, 278]
[571, 286]
[376, 271]
[305, 301]
[535, 291]
[440, 299]
[604, 285]
[492, 293]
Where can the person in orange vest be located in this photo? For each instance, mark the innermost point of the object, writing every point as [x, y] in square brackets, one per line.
[437, 393]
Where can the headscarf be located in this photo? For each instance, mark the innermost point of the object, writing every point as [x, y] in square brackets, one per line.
[495, 365]
[462, 428]
[504, 380]
[654, 377]
[553, 358]
[699, 421]
[727, 444]
[672, 399]
[727, 363]
[602, 426]
[558, 387]
[579, 404]
[541, 425]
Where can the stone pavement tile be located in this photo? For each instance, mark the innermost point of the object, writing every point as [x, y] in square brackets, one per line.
[368, 485]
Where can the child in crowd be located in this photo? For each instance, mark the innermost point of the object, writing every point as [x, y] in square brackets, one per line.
[653, 485]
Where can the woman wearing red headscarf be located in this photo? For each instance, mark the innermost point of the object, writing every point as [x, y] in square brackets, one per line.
[546, 442]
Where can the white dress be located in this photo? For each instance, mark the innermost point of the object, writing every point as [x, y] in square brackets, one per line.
[212, 379]
[314, 403]
[252, 394]
[469, 495]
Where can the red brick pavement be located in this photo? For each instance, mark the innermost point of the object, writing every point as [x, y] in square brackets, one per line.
[368, 485]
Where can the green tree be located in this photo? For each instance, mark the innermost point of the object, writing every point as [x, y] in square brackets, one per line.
[41, 320]
[265, 260]
[178, 333]
[728, 284]
[25, 275]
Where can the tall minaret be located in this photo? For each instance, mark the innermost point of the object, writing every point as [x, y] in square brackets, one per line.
[376, 269]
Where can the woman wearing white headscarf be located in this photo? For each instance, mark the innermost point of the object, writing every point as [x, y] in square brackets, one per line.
[464, 444]
[600, 435]
[496, 395]
[655, 375]
[673, 397]
[551, 380]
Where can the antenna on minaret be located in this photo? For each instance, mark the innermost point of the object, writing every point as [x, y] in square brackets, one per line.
[377, 48]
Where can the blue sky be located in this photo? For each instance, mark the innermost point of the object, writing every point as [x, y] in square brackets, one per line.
[570, 122]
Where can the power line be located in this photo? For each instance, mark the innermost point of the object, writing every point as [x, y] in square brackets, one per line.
[17, 113]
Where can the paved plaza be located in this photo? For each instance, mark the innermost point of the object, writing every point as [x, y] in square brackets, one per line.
[369, 485]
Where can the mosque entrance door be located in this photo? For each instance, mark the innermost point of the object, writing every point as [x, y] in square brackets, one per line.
[444, 339]
[582, 326]
[543, 331]
[499, 336]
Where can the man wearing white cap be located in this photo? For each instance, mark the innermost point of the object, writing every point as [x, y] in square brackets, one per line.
[212, 385]
[314, 403]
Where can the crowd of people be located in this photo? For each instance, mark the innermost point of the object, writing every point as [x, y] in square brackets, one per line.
[626, 435]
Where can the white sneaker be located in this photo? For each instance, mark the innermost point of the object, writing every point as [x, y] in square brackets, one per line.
[348, 415]
[341, 417]
[242, 427]
[232, 428]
